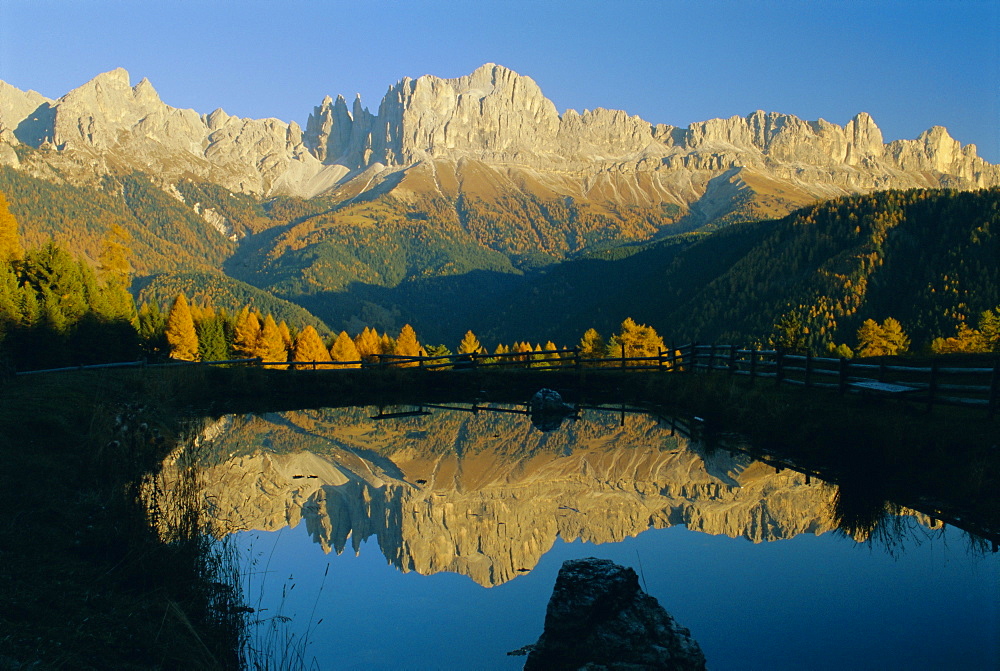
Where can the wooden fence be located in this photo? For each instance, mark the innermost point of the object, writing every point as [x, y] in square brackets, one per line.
[928, 385]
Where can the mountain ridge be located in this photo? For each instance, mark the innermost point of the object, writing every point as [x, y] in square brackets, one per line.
[474, 177]
[493, 114]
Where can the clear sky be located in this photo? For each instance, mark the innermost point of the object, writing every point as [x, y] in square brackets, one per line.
[910, 64]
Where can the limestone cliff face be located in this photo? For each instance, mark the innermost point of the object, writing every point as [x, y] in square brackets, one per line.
[494, 117]
[486, 495]
[107, 124]
[499, 117]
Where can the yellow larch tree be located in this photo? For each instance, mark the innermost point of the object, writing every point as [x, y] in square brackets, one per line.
[246, 333]
[592, 345]
[10, 240]
[309, 347]
[407, 345]
[345, 350]
[639, 340]
[386, 344]
[470, 344]
[286, 335]
[181, 335]
[885, 339]
[271, 346]
[368, 344]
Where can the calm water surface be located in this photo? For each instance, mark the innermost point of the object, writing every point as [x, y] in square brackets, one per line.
[432, 541]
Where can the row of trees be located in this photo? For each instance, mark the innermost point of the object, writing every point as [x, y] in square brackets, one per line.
[192, 333]
[984, 338]
[201, 333]
[888, 337]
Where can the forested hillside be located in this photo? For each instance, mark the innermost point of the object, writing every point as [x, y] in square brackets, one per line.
[163, 233]
[524, 267]
[929, 258]
[221, 292]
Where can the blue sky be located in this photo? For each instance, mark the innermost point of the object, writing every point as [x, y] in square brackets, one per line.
[909, 64]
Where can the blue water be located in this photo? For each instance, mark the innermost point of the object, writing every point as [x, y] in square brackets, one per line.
[811, 602]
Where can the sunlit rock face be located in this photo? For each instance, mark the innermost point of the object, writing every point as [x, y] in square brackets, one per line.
[485, 134]
[487, 494]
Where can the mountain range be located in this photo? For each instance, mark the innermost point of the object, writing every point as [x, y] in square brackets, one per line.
[456, 193]
[485, 494]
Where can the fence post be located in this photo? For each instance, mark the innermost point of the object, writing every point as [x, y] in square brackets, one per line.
[659, 359]
[576, 358]
[932, 386]
[809, 366]
[779, 367]
[694, 357]
[842, 378]
[753, 364]
[732, 359]
[623, 355]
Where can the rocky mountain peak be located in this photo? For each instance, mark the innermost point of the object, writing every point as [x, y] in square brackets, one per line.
[493, 116]
[98, 111]
[17, 105]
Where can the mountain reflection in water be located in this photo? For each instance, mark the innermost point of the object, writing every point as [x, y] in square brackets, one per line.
[486, 494]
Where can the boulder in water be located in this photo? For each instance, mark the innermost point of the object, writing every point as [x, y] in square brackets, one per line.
[599, 618]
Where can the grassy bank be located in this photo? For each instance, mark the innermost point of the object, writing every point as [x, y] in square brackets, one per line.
[88, 585]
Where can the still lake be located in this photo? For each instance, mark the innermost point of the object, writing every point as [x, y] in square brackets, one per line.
[430, 538]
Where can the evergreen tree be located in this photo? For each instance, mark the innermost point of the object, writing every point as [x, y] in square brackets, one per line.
[344, 349]
[438, 350]
[212, 345]
[59, 280]
[10, 241]
[152, 330]
[228, 322]
[989, 328]
[181, 334]
[52, 317]
[9, 305]
[29, 307]
[789, 334]
[842, 351]
[309, 346]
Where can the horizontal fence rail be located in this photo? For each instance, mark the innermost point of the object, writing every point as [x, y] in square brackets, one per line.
[977, 387]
